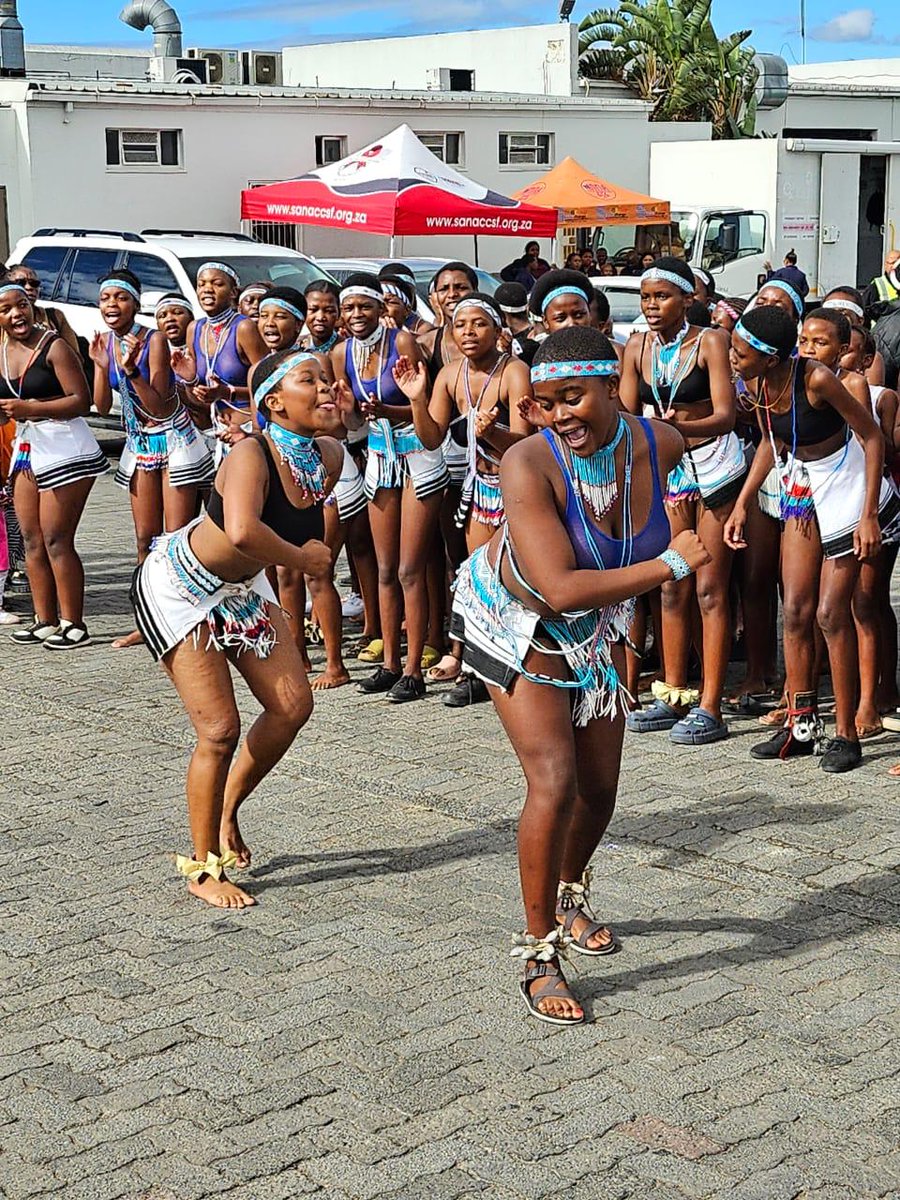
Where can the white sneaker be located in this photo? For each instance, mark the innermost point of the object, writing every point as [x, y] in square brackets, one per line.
[9, 618]
[352, 606]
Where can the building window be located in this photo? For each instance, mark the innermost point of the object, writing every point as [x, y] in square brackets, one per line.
[143, 149]
[526, 149]
[448, 147]
[330, 148]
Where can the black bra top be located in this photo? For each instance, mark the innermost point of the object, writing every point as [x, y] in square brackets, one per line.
[296, 525]
[812, 425]
[693, 389]
[39, 381]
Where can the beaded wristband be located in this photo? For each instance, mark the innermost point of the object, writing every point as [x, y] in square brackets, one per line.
[676, 563]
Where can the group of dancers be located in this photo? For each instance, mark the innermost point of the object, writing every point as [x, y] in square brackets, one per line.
[571, 489]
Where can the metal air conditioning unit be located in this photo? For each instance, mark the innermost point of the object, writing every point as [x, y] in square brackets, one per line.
[178, 70]
[224, 67]
[262, 68]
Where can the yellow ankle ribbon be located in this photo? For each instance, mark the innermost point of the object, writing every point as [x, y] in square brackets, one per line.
[674, 695]
[214, 866]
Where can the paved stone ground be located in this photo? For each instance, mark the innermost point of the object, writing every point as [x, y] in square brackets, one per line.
[358, 1034]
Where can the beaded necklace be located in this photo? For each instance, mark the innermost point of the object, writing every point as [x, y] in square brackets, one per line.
[595, 475]
[360, 353]
[326, 345]
[667, 368]
[219, 325]
[302, 459]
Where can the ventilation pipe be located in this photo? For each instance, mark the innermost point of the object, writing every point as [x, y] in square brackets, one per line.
[12, 40]
[162, 18]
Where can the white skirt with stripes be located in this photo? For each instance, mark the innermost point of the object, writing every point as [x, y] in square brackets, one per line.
[57, 453]
[349, 495]
[838, 485]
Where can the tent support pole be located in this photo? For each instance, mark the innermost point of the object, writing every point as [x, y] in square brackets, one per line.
[391, 251]
[475, 240]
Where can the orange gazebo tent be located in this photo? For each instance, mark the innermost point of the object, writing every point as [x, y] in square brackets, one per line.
[584, 199]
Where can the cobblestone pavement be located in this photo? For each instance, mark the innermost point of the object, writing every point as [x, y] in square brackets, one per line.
[358, 1034]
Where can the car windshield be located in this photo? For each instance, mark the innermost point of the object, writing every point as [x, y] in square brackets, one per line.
[280, 272]
[684, 233]
[624, 304]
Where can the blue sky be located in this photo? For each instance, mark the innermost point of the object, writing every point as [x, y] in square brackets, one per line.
[835, 30]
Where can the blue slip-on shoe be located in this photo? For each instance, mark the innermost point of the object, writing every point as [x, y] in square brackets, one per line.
[698, 728]
[658, 717]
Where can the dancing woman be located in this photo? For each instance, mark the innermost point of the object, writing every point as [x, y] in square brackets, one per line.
[282, 312]
[834, 502]
[541, 610]
[404, 482]
[55, 460]
[681, 374]
[202, 602]
[478, 400]
[221, 348]
[165, 459]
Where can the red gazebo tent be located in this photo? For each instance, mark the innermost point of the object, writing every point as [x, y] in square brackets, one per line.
[396, 186]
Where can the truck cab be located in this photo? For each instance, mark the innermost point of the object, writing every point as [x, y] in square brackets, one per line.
[732, 244]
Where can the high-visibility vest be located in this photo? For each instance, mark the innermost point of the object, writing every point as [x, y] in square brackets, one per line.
[886, 290]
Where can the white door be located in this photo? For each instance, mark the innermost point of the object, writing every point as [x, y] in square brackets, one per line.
[838, 220]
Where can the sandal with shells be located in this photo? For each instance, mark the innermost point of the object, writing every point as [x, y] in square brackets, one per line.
[572, 904]
[543, 978]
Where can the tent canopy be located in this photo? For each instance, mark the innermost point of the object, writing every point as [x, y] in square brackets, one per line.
[396, 186]
[582, 198]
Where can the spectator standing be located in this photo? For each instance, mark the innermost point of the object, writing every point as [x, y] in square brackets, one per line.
[883, 293]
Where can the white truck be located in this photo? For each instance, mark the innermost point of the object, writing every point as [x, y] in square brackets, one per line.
[737, 205]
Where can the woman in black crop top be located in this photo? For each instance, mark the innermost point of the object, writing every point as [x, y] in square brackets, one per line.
[204, 589]
[834, 504]
[679, 373]
[55, 461]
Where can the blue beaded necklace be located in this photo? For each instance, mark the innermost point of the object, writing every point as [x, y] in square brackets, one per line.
[302, 458]
[596, 475]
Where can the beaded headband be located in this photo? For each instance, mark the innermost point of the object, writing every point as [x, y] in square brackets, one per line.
[785, 287]
[752, 340]
[255, 289]
[394, 289]
[522, 307]
[470, 302]
[847, 305]
[704, 276]
[271, 382]
[219, 266]
[13, 287]
[653, 273]
[361, 290]
[172, 302]
[542, 372]
[124, 285]
[274, 302]
[567, 289]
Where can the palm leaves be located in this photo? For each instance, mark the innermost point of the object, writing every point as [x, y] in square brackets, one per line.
[668, 53]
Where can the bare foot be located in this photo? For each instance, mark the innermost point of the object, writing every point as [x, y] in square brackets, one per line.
[230, 839]
[329, 679]
[220, 893]
[135, 638]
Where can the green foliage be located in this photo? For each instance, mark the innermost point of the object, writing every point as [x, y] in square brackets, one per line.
[668, 53]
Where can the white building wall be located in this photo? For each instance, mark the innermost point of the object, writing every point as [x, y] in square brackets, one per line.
[539, 60]
[73, 62]
[230, 141]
